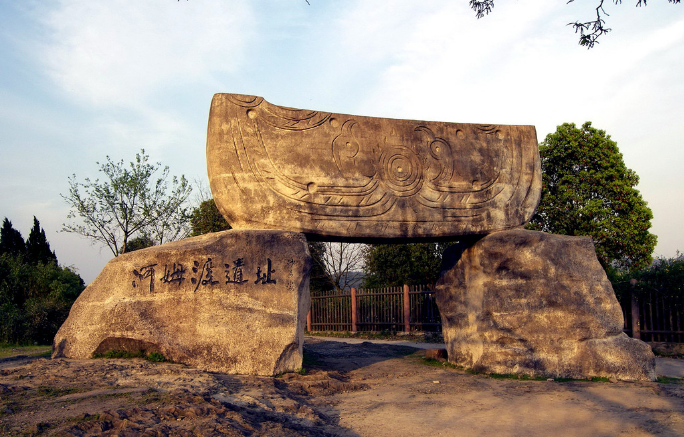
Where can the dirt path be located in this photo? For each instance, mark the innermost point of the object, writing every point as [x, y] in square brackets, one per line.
[348, 390]
[671, 367]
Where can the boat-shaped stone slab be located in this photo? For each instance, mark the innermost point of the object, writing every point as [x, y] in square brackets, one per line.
[353, 178]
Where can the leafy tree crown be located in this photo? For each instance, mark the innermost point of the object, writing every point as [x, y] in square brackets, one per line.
[35, 293]
[588, 191]
[207, 218]
[397, 264]
[137, 200]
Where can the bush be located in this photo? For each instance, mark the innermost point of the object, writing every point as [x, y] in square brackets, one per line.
[665, 277]
[35, 299]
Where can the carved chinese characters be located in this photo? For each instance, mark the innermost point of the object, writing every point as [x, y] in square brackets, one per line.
[353, 177]
[233, 301]
[201, 274]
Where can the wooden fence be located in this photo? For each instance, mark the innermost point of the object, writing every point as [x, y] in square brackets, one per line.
[413, 308]
[407, 308]
[653, 317]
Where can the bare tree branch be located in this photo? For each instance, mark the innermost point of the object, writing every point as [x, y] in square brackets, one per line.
[590, 31]
[482, 8]
[340, 260]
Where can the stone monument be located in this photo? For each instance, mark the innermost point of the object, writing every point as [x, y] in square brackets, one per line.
[232, 301]
[236, 301]
[354, 178]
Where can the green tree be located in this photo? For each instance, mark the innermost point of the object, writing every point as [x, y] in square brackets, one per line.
[130, 202]
[391, 265]
[11, 240]
[37, 246]
[664, 277]
[587, 190]
[35, 293]
[590, 31]
[137, 243]
[207, 218]
[35, 299]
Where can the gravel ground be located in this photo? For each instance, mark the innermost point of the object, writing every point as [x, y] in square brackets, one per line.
[363, 389]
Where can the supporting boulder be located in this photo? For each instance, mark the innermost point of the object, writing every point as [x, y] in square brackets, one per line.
[536, 304]
[232, 301]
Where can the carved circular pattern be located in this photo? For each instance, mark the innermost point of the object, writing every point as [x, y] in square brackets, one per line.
[401, 170]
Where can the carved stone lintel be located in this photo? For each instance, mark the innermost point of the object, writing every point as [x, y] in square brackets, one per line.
[353, 177]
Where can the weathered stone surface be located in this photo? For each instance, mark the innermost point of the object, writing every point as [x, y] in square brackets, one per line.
[233, 301]
[353, 177]
[536, 304]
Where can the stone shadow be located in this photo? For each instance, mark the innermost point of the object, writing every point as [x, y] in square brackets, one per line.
[333, 356]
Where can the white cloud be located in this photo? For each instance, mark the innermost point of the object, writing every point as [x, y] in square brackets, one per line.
[446, 63]
[121, 52]
[522, 65]
[143, 71]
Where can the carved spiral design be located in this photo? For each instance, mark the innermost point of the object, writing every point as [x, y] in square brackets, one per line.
[402, 170]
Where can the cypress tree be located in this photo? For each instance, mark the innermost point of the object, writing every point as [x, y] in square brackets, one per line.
[37, 246]
[11, 241]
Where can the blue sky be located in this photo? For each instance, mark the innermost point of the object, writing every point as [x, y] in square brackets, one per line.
[80, 80]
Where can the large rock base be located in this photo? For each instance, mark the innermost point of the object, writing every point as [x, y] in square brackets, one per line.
[536, 304]
[233, 302]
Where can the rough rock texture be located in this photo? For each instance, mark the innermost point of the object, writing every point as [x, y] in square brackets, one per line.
[233, 301]
[352, 177]
[537, 304]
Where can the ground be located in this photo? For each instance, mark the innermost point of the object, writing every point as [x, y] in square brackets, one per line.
[362, 389]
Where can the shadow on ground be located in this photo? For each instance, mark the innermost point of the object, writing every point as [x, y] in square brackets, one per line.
[344, 357]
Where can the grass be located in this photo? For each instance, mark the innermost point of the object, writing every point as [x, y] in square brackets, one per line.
[300, 371]
[445, 364]
[599, 379]
[591, 379]
[667, 354]
[154, 357]
[437, 363]
[54, 392]
[669, 380]
[8, 351]
[85, 418]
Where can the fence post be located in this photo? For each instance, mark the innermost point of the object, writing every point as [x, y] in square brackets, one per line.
[308, 320]
[636, 328]
[353, 308]
[407, 310]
